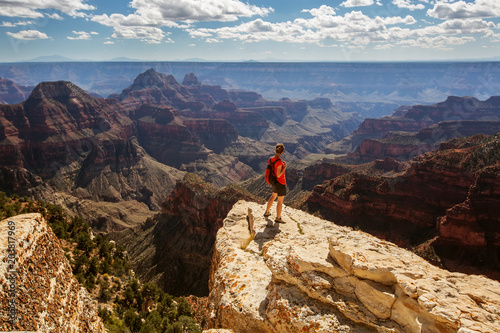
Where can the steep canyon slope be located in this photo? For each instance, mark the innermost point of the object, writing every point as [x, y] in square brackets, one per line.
[174, 248]
[448, 196]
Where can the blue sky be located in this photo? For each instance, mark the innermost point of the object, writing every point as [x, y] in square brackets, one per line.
[233, 30]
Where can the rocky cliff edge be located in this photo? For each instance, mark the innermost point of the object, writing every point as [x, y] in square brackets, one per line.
[310, 275]
[45, 297]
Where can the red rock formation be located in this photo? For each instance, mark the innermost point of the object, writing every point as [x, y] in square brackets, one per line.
[318, 173]
[174, 248]
[394, 136]
[460, 181]
[215, 134]
[56, 124]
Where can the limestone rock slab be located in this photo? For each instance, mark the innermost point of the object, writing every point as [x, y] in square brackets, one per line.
[309, 275]
[48, 297]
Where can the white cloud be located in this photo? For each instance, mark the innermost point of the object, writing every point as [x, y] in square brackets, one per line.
[357, 3]
[109, 42]
[151, 15]
[132, 20]
[383, 47]
[82, 35]
[407, 4]
[33, 8]
[54, 16]
[28, 35]
[443, 9]
[10, 24]
[354, 30]
[150, 35]
[195, 10]
[458, 27]
[436, 42]
[19, 12]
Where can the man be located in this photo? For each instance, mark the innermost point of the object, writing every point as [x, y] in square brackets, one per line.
[279, 187]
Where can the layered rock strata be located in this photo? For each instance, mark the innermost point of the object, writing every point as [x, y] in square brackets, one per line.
[450, 193]
[46, 295]
[310, 275]
[174, 248]
[414, 130]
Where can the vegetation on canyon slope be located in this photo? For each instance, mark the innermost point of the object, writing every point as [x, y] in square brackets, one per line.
[125, 304]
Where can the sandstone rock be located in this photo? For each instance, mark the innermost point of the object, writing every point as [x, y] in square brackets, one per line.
[310, 275]
[46, 291]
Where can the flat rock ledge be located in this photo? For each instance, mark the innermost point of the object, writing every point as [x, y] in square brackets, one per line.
[310, 275]
[46, 295]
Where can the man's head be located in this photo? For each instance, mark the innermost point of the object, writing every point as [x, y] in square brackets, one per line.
[280, 148]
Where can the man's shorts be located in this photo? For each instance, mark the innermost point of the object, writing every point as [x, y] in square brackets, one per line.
[280, 189]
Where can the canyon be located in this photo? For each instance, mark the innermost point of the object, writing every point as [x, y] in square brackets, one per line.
[160, 164]
[414, 130]
[374, 89]
[128, 151]
[174, 248]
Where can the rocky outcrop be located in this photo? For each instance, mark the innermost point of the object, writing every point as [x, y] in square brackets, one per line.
[174, 248]
[476, 221]
[45, 297]
[309, 275]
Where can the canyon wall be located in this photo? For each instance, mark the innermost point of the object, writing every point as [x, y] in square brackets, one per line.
[174, 248]
[448, 195]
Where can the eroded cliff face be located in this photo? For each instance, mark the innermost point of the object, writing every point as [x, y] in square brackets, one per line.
[310, 275]
[449, 194]
[47, 296]
[418, 129]
[174, 248]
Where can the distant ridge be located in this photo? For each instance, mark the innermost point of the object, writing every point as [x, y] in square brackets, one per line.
[51, 58]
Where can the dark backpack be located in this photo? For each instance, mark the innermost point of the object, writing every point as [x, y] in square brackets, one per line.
[269, 174]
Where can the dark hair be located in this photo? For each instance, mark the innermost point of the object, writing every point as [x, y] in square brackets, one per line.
[280, 148]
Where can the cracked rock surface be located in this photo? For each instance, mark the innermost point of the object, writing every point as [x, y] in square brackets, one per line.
[48, 298]
[310, 275]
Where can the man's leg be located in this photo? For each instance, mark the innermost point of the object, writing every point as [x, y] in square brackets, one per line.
[270, 202]
[279, 206]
